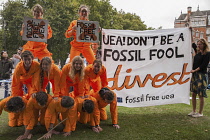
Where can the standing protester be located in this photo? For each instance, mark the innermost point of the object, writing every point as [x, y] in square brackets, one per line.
[39, 49]
[199, 77]
[80, 47]
[16, 58]
[5, 71]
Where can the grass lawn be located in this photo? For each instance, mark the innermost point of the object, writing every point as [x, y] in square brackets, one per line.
[165, 122]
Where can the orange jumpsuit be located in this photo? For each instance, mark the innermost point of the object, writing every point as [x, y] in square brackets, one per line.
[33, 112]
[54, 78]
[102, 107]
[38, 49]
[15, 119]
[79, 47]
[80, 88]
[94, 116]
[21, 76]
[96, 81]
[54, 108]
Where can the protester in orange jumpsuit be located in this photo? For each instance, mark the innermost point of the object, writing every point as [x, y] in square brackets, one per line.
[35, 109]
[65, 106]
[88, 111]
[24, 74]
[73, 75]
[39, 49]
[96, 75]
[104, 97]
[49, 72]
[80, 47]
[15, 106]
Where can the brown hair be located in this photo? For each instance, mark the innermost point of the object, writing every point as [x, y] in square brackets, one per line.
[205, 45]
[27, 54]
[67, 102]
[84, 6]
[41, 98]
[73, 72]
[42, 71]
[39, 7]
[97, 61]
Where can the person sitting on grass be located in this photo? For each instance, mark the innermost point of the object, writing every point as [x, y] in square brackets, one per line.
[15, 106]
[34, 112]
[104, 97]
[66, 107]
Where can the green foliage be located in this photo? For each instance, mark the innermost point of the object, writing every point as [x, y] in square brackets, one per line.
[13, 14]
[60, 13]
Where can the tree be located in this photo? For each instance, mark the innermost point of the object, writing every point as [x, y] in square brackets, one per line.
[13, 14]
[60, 13]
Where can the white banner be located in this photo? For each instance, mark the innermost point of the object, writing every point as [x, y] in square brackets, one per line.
[35, 30]
[87, 31]
[147, 68]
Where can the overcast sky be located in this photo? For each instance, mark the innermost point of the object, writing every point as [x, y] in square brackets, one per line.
[156, 13]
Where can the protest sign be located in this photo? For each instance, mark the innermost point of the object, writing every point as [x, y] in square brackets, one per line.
[87, 31]
[35, 30]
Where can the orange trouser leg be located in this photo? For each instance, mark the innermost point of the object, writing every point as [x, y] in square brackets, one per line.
[83, 117]
[41, 116]
[75, 51]
[20, 119]
[103, 114]
[29, 88]
[15, 119]
[88, 54]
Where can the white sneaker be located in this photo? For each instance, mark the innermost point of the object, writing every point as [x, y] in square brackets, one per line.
[197, 115]
[192, 113]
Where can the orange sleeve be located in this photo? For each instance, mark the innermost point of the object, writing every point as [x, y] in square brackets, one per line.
[3, 103]
[56, 79]
[35, 77]
[103, 77]
[86, 86]
[16, 86]
[113, 110]
[36, 87]
[49, 35]
[67, 35]
[50, 114]
[95, 116]
[28, 115]
[64, 74]
[72, 119]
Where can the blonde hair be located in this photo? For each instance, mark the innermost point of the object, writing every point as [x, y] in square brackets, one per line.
[73, 72]
[205, 45]
[39, 7]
